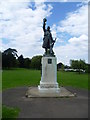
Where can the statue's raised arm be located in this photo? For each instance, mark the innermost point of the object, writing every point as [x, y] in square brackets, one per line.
[44, 24]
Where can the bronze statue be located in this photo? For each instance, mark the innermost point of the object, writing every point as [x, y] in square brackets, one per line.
[48, 41]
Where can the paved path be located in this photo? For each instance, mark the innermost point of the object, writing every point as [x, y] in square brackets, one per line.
[76, 107]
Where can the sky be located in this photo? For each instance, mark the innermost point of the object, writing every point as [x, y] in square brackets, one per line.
[21, 27]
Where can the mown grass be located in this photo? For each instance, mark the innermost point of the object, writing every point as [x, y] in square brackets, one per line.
[25, 77]
[20, 77]
[9, 112]
[73, 79]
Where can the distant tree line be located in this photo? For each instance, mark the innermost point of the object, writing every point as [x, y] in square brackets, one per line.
[79, 65]
[10, 59]
[75, 65]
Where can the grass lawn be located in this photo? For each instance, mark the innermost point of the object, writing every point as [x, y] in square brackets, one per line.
[9, 112]
[20, 77]
[73, 79]
[25, 77]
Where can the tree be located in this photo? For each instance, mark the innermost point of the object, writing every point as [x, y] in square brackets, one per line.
[78, 64]
[11, 51]
[27, 63]
[36, 62]
[21, 61]
[9, 58]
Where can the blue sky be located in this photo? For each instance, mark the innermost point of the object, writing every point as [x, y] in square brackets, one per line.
[60, 9]
[23, 30]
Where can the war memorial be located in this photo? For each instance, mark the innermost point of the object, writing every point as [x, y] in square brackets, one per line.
[49, 86]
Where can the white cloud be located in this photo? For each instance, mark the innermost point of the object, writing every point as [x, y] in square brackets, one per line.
[23, 26]
[76, 48]
[82, 40]
[76, 23]
[54, 31]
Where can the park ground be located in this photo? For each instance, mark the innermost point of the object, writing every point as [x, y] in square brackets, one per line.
[25, 77]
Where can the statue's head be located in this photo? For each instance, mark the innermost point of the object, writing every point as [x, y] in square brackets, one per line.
[48, 28]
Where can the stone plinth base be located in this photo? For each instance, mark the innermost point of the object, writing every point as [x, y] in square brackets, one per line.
[51, 92]
[49, 75]
[48, 85]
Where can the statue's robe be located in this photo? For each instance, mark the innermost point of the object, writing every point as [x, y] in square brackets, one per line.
[47, 40]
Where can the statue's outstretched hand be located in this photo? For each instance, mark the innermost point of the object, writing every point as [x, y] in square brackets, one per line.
[44, 20]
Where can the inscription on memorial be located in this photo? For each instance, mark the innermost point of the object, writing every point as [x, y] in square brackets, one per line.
[49, 61]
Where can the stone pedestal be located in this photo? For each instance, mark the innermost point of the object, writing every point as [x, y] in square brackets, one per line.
[48, 81]
[48, 85]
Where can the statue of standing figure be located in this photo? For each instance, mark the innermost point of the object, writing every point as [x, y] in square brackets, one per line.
[48, 41]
